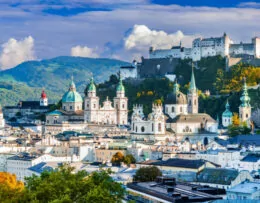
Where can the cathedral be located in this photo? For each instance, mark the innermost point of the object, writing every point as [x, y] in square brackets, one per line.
[115, 112]
[182, 112]
[72, 115]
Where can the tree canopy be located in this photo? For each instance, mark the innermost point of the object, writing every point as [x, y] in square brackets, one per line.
[65, 186]
[145, 174]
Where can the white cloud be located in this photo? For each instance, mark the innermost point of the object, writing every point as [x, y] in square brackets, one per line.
[84, 51]
[141, 38]
[249, 4]
[15, 52]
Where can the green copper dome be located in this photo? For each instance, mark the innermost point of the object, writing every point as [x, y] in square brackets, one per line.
[245, 99]
[176, 87]
[92, 86]
[120, 86]
[227, 112]
[72, 95]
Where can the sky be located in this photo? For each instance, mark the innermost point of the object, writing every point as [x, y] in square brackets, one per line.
[120, 29]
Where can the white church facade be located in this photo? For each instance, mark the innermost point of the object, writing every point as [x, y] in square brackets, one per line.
[182, 112]
[154, 124]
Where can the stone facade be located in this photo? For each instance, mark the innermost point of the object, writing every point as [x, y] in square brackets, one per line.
[153, 125]
[204, 47]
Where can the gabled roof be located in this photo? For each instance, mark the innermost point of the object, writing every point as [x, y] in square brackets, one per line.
[251, 158]
[193, 118]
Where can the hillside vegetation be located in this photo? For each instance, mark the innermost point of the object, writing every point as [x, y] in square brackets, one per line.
[25, 81]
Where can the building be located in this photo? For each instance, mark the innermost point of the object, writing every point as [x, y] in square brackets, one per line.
[28, 108]
[245, 107]
[250, 162]
[166, 190]
[171, 166]
[154, 124]
[244, 191]
[115, 112]
[227, 116]
[182, 111]
[70, 116]
[204, 47]
[129, 71]
[222, 178]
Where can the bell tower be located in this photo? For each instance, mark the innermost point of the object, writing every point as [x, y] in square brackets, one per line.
[44, 99]
[245, 107]
[193, 106]
[121, 104]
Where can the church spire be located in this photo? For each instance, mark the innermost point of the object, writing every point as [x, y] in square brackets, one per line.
[227, 105]
[91, 86]
[72, 85]
[192, 82]
[120, 86]
[245, 99]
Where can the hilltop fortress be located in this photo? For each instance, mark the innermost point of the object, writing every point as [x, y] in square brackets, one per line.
[204, 47]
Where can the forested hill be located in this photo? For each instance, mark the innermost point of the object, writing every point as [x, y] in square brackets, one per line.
[25, 81]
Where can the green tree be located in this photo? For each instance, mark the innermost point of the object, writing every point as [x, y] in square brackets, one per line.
[63, 185]
[129, 159]
[145, 174]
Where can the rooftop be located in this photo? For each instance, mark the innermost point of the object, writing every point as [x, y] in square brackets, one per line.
[172, 193]
[251, 158]
[246, 188]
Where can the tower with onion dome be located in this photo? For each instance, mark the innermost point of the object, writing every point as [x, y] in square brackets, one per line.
[121, 103]
[193, 106]
[227, 116]
[245, 107]
[91, 103]
[44, 99]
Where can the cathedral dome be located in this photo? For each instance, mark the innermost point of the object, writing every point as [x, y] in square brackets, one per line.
[120, 86]
[71, 96]
[176, 98]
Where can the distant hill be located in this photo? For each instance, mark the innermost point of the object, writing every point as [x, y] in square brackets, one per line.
[25, 81]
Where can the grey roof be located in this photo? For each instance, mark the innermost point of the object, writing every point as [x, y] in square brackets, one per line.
[217, 176]
[23, 157]
[246, 140]
[192, 118]
[183, 163]
[40, 167]
[178, 98]
[251, 158]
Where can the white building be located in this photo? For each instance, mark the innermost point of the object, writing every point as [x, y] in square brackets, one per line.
[129, 71]
[19, 164]
[244, 191]
[251, 162]
[227, 116]
[204, 47]
[183, 112]
[109, 113]
[154, 124]
[2, 120]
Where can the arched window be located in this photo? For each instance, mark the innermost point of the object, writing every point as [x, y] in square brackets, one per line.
[94, 105]
[181, 109]
[123, 106]
[173, 109]
[195, 102]
[133, 126]
[152, 127]
[190, 103]
[159, 127]
[136, 129]
[70, 107]
[246, 115]
[142, 129]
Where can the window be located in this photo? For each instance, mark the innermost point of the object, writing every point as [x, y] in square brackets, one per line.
[136, 129]
[195, 102]
[159, 127]
[70, 107]
[142, 129]
[94, 105]
[64, 107]
[166, 110]
[246, 115]
[152, 127]
[181, 109]
[173, 109]
[123, 106]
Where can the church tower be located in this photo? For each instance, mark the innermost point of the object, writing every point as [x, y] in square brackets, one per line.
[193, 105]
[44, 99]
[227, 116]
[245, 107]
[91, 103]
[121, 104]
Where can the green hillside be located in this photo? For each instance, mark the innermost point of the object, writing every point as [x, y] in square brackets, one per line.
[25, 81]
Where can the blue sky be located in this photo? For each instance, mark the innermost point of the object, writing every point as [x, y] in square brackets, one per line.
[122, 29]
